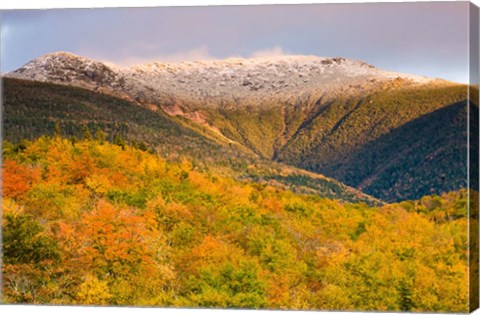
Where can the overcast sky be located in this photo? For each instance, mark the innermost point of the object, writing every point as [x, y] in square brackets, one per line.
[421, 38]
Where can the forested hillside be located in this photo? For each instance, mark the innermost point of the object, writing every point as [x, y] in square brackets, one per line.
[33, 109]
[399, 143]
[89, 222]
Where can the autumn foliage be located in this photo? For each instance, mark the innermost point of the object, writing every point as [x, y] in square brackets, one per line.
[101, 224]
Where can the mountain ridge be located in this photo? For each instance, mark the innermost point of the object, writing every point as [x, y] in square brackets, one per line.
[214, 82]
[314, 113]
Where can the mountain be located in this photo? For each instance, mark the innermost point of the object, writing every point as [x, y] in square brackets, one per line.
[33, 109]
[393, 135]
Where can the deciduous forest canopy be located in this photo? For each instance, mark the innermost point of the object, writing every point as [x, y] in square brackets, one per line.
[89, 222]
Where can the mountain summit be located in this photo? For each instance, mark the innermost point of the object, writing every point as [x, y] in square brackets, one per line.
[245, 81]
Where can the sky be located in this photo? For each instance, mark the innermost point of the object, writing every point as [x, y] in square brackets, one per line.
[427, 38]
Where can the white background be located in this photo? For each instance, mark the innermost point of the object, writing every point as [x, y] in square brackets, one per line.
[37, 4]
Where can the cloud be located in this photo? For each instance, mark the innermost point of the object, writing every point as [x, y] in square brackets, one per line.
[271, 52]
[200, 53]
[197, 54]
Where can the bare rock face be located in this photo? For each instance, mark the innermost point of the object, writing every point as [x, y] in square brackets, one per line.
[216, 83]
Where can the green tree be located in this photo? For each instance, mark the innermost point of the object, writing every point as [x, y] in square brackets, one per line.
[87, 135]
[118, 140]
[25, 241]
[100, 135]
[56, 130]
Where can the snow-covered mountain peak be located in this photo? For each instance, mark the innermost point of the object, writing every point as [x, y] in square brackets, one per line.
[288, 62]
[70, 69]
[253, 80]
[58, 59]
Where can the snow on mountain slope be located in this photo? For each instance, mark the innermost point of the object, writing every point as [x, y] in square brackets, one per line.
[214, 82]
